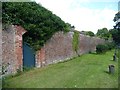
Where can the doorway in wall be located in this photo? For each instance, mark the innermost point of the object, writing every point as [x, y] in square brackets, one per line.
[28, 56]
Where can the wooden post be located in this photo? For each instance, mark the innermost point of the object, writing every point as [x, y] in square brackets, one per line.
[114, 57]
[111, 69]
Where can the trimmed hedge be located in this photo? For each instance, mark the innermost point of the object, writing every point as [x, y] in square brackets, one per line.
[102, 48]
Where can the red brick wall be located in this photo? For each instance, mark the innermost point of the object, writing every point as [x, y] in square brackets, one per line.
[12, 48]
[56, 49]
[8, 49]
[87, 43]
[59, 48]
[40, 58]
[19, 31]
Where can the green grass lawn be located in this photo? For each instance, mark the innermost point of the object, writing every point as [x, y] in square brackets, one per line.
[86, 71]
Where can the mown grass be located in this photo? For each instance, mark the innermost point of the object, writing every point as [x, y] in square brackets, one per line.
[86, 71]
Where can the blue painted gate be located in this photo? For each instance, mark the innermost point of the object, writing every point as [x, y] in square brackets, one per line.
[28, 56]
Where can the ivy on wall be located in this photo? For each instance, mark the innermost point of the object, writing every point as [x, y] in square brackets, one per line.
[39, 22]
[75, 41]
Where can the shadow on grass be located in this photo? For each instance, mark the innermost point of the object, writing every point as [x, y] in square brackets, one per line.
[106, 72]
[111, 60]
[94, 53]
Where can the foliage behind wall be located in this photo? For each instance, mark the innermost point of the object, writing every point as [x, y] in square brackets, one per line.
[39, 22]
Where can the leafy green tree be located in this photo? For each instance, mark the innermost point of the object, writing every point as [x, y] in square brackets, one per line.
[103, 33]
[117, 20]
[68, 26]
[90, 33]
[116, 31]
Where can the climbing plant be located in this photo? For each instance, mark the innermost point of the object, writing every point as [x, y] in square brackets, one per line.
[75, 41]
[39, 22]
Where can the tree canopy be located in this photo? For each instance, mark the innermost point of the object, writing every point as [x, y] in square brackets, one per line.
[90, 33]
[117, 20]
[115, 35]
[103, 33]
[116, 31]
[40, 23]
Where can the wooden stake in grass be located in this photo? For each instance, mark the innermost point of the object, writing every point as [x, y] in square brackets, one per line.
[111, 69]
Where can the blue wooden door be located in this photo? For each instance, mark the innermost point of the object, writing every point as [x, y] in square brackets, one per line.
[28, 56]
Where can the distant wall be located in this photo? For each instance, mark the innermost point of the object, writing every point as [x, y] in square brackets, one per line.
[88, 44]
[59, 48]
[12, 48]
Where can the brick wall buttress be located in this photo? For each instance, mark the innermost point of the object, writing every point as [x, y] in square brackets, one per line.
[19, 31]
[40, 58]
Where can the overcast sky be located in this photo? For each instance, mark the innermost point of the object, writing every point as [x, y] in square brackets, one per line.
[87, 15]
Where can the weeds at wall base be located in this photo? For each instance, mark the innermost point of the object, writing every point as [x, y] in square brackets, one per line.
[25, 69]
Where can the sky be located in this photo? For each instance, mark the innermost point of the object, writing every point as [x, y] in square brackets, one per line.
[85, 15]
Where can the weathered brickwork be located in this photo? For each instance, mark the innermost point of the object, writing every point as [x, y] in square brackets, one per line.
[8, 50]
[12, 48]
[56, 49]
[40, 58]
[19, 31]
[59, 48]
[88, 44]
